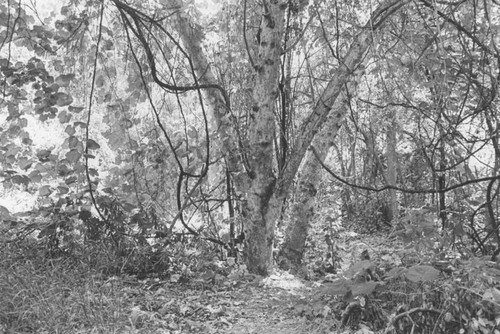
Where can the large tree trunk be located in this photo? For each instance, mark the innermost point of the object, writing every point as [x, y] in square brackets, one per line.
[258, 183]
[261, 209]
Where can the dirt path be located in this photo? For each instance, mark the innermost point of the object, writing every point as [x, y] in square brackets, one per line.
[260, 308]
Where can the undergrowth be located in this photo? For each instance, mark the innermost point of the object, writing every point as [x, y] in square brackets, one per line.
[57, 295]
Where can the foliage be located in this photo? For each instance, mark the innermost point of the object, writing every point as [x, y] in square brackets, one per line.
[150, 135]
[54, 295]
[404, 300]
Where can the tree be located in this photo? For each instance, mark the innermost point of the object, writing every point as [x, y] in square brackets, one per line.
[190, 105]
[262, 189]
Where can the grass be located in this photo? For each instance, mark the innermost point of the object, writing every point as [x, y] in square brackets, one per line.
[43, 295]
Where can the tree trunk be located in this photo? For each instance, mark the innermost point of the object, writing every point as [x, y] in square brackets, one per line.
[302, 211]
[261, 209]
[491, 220]
[392, 161]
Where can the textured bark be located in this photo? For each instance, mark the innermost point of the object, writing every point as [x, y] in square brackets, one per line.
[392, 161]
[302, 211]
[261, 208]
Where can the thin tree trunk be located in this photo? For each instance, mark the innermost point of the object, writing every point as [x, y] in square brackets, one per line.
[302, 211]
[491, 220]
[392, 161]
[333, 108]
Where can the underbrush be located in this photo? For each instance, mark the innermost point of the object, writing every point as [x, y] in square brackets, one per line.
[98, 287]
[461, 297]
[57, 295]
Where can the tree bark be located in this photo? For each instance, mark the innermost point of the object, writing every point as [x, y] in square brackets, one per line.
[392, 162]
[261, 208]
[302, 211]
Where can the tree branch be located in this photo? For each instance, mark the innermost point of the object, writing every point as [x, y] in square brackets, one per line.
[409, 191]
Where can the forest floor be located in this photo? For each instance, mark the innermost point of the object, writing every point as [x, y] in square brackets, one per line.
[262, 306]
[44, 295]
[41, 295]
[127, 305]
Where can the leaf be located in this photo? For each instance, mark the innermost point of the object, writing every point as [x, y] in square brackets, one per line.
[4, 212]
[99, 82]
[44, 191]
[70, 130]
[43, 155]
[64, 79]
[422, 273]
[63, 170]
[61, 99]
[73, 142]
[192, 133]
[133, 144]
[64, 117]
[23, 122]
[358, 268]
[80, 124]
[337, 287]
[14, 130]
[73, 155]
[35, 176]
[25, 163]
[63, 190]
[21, 179]
[93, 172]
[85, 215]
[364, 288]
[92, 145]
[396, 272]
[70, 180]
[458, 229]
[492, 295]
[76, 110]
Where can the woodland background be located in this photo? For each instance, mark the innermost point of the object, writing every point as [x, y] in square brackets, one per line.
[162, 158]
